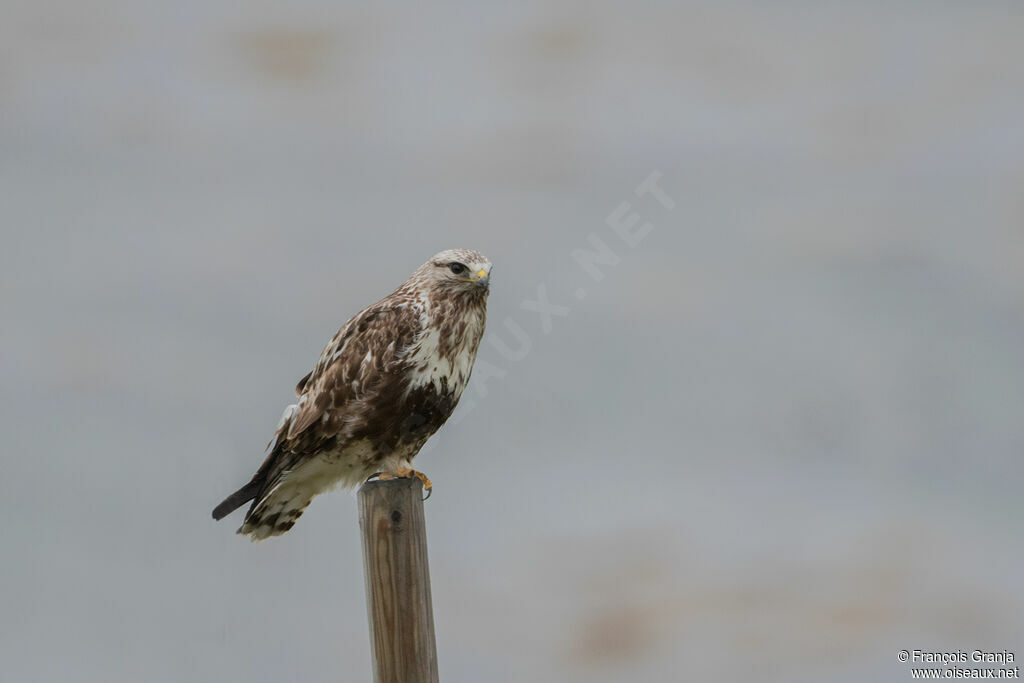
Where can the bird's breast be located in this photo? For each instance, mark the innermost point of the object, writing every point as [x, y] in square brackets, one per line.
[444, 355]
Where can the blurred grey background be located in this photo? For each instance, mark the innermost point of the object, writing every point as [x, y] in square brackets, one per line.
[780, 440]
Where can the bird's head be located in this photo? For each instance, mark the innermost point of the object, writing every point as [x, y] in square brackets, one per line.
[457, 271]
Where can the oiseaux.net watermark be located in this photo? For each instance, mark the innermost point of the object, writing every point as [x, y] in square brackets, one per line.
[960, 664]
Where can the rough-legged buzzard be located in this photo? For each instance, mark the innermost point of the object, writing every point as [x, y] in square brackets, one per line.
[385, 383]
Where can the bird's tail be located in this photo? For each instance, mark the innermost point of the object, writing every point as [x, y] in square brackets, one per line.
[237, 499]
[276, 512]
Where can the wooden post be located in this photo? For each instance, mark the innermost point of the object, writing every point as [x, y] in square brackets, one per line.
[397, 581]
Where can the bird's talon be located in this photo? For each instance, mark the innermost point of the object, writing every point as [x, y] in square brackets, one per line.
[427, 484]
[406, 473]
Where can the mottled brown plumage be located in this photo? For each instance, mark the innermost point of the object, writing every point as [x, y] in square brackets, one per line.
[385, 383]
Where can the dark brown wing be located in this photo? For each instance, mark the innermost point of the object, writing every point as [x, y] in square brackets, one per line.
[365, 355]
[363, 361]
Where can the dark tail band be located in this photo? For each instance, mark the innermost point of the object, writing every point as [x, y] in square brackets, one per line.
[237, 500]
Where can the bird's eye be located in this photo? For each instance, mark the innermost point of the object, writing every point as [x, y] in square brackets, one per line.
[457, 268]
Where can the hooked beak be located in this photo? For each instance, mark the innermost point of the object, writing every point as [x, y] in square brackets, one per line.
[482, 278]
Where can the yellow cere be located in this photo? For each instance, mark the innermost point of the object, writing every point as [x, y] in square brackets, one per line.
[481, 272]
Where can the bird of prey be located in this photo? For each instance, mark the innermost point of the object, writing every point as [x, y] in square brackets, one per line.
[384, 384]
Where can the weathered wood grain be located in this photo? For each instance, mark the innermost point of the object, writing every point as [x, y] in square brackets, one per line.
[397, 581]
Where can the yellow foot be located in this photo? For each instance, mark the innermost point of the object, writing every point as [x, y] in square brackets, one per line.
[409, 473]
